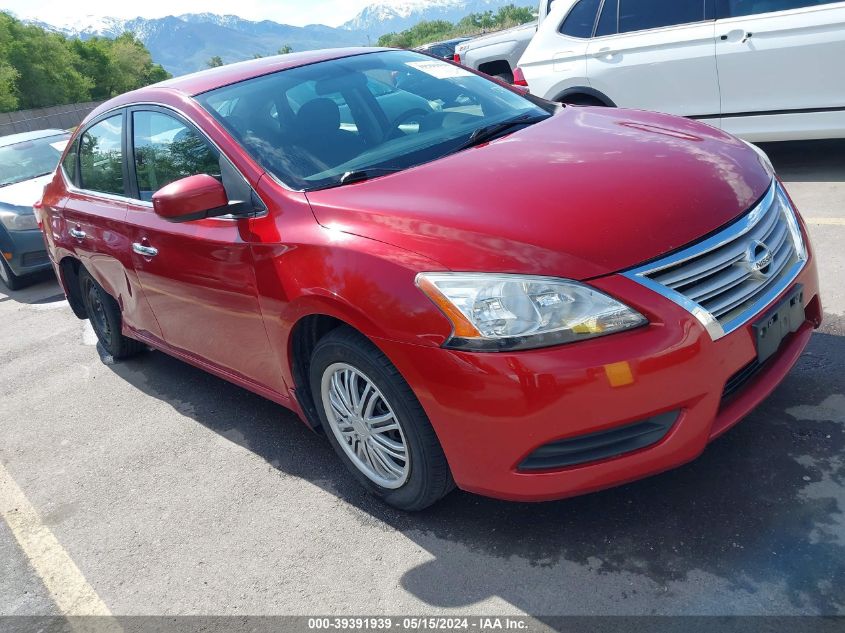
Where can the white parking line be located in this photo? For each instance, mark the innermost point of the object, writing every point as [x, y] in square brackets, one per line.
[60, 575]
[826, 221]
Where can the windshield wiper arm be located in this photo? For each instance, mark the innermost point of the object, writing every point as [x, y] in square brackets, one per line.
[489, 132]
[365, 174]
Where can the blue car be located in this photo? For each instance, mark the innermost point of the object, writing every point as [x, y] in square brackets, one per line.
[27, 163]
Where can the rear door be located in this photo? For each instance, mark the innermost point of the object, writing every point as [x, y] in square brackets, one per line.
[93, 216]
[656, 55]
[198, 276]
[779, 57]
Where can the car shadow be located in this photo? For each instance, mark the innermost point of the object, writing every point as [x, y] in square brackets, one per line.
[808, 161]
[41, 289]
[762, 506]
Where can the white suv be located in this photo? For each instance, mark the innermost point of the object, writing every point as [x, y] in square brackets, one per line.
[765, 70]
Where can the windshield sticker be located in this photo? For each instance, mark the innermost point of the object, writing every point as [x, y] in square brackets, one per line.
[439, 70]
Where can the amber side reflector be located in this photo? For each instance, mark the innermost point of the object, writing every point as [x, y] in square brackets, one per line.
[462, 327]
[8, 256]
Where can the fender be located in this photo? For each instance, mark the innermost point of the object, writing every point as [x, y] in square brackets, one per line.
[591, 92]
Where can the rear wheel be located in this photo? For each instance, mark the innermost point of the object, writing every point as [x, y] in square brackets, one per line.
[376, 424]
[9, 278]
[104, 314]
[506, 77]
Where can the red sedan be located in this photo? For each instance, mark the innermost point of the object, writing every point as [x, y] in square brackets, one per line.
[456, 283]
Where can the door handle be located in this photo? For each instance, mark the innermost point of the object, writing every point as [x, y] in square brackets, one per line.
[738, 34]
[605, 53]
[146, 251]
[78, 234]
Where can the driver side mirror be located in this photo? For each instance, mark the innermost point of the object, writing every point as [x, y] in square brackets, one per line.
[192, 198]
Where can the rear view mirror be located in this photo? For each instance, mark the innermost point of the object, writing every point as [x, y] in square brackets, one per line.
[192, 198]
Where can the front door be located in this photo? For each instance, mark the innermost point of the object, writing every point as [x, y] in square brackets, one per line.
[198, 276]
[779, 57]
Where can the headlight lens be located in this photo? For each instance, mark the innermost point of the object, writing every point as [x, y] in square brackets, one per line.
[792, 221]
[512, 312]
[18, 221]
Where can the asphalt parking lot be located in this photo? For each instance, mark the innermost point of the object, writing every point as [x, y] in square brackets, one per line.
[170, 491]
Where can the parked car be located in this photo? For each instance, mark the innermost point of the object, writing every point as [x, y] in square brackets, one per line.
[765, 70]
[444, 49]
[497, 54]
[525, 300]
[27, 163]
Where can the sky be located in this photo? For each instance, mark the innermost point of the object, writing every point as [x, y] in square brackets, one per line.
[296, 12]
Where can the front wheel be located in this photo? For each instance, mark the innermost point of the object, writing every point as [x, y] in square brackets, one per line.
[9, 278]
[375, 422]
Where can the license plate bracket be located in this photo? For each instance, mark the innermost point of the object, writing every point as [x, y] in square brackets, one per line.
[778, 323]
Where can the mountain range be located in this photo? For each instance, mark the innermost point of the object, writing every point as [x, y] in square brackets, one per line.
[184, 43]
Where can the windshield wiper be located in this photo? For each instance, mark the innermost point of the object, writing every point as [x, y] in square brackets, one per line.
[361, 175]
[489, 132]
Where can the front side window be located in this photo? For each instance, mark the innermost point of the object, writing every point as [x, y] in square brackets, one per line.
[739, 8]
[101, 157]
[386, 111]
[30, 159]
[640, 15]
[581, 19]
[167, 150]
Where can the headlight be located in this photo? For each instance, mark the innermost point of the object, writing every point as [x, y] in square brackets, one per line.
[512, 312]
[792, 221]
[18, 221]
[765, 161]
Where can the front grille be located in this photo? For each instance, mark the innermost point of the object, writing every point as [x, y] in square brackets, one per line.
[729, 277]
[602, 445]
[34, 258]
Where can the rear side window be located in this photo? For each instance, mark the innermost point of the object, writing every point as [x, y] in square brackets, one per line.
[101, 157]
[167, 150]
[69, 163]
[607, 23]
[640, 15]
[581, 19]
[739, 8]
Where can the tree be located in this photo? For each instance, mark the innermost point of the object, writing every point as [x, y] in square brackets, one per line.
[214, 62]
[286, 49]
[39, 68]
[8, 76]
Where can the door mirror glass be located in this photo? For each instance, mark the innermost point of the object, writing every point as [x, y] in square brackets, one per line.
[192, 198]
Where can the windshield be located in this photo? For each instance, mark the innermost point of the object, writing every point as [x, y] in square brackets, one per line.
[383, 112]
[30, 159]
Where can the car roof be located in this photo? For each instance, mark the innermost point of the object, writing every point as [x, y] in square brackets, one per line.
[23, 137]
[456, 40]
[210, 79]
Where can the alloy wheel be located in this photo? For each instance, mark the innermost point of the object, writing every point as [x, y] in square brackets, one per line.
[365, 425]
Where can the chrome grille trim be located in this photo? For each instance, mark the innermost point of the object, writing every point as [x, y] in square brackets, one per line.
[713, 279]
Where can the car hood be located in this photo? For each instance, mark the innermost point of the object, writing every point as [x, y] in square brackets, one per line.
[24, 194]
[588, 192]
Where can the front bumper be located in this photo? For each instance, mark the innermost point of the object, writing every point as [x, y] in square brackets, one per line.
[491, 411]
[29, 253]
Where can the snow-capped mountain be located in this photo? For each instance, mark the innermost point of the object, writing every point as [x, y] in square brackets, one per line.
[184, 43]
[397, 15]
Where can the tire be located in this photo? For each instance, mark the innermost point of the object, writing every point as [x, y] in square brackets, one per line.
[353, 360]
[10, 279]
[104, 315]
[506, 77]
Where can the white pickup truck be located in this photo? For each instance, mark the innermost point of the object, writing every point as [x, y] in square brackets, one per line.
[498, 54]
